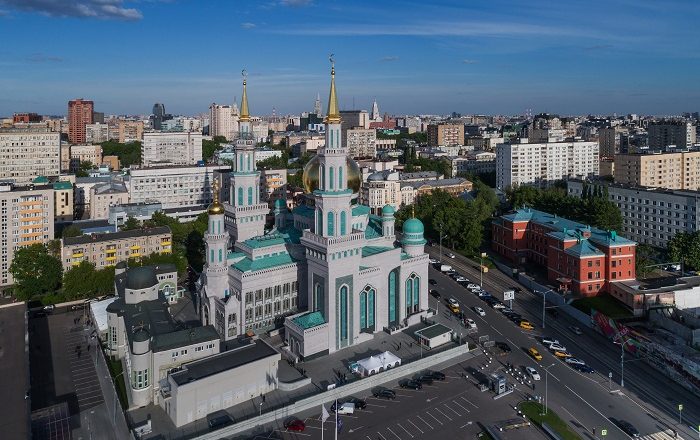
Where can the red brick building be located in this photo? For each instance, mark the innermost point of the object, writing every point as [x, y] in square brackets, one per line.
[578, 258]
[79, 115]
[26, 118]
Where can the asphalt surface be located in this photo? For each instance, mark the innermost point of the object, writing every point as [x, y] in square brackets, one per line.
[588, 401]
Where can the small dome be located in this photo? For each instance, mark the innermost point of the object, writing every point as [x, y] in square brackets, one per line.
[413, 226]
[388, 210]
[216, 208]
[141, 335]
[311, 175]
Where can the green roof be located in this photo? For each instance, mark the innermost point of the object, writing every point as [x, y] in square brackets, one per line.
[405, 256]
[248, 265]
[264, 241]
[388, 210]
[290, 234]
[584, 249]
[374, 227]
[368, 251]
[62, 185]
[40, 180]
[413, 226]
[234, 255]
[303, 211]
[309, 320]
[359, 210]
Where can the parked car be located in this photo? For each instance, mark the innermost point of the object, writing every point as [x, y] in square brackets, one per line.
[627, 427]
[582, 368]
[450, 254]
[410, 384]
[503, 346]
[435, 293]
[547, 341]
[532, 373]
[575, 330]
[218, 420]
[359, 403]
[433, 261]
[479, 311]
[432, 282]
[532, 351]
[425, 379]
[526, 325]
[347, 408]
[469, 323]
[573, 360]
[385, 393]
[452, 302]
[437, 375]
[295, 425]
[562, 354]
[498, 305]
[460, 279]
[556, 347]
[49, 308]
[472, 286]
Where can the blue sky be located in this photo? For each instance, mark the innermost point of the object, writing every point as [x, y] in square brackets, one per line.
[568, 57]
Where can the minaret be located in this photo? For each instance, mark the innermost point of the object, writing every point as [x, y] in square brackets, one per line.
[374, 117]
[317, 104]
[216, 240]
[245, 214]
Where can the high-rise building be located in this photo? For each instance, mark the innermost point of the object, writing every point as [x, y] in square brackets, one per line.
[660, 170]
[26, 153]
[158, 115]
[79, 115]
[445, 134]
[544, 163]
[27, 218]
[609, 141]
[96, 133]
[375, 116]
[664, 133]
[175, 148]
[173, 187]
[223, 121]
[361, 142]
[130, 131]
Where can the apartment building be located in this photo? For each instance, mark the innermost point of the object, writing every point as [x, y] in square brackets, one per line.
[578, 258]
[80, 113]
[475, 162]
[273, 182]
[175, 148]
[223, 121]
[73, 155]
[361, 142]
[26, 218]
[664, 133]
[97, 133]
[445, 134]
[63, 201]
[104, 195]
[649, 215]
[129, 131]
[174, 187]
[26, 153]
[541, 164]
[660, 170]
[609, 141]
[108, 249]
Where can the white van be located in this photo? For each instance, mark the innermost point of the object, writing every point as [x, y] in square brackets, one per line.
[347, 408]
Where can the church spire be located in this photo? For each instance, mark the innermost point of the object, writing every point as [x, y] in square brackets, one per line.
[333, 115]
[245, 116]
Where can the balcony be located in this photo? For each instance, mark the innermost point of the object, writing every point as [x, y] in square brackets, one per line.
[135, 247]
[135, 255]
[111, 258]
[78, 255]
[166, 243]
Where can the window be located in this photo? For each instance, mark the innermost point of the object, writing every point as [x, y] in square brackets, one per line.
[330, 224]
[590, 275]
[240, 195]
[590, 263]
[342, 222]
[250, 195]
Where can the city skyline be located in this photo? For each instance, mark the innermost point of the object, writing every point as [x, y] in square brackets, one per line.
[414, 58]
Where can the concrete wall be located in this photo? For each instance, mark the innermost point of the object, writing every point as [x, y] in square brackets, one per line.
[689, 334]
[359, 386]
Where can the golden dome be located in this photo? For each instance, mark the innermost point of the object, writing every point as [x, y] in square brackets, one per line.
[216, 208]
[311, 178]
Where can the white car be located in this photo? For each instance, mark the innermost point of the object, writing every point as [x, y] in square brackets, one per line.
[450, 254]
[452, 302]
[433, 261]
[479, 311]
[499, 306]
[461, 279]
[573, 360]
[549, 341]
[469, 323]
[533, 373]
[557, 347]
[473, 286]
[346, 408]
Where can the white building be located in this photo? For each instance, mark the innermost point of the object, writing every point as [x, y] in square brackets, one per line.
[223, 120]
[104, 195]
[649, 215]
[543, 163]
[266, 153]
[96, 133]
[361, 142]
[475, 162]
[173, 187]
[174, 148]
[26, 153]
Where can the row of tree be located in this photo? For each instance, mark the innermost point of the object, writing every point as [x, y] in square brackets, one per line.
[128, 153]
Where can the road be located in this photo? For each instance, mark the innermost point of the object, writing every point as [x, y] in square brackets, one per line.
[649, 399]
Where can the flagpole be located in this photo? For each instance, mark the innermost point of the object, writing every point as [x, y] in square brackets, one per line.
[336, 419]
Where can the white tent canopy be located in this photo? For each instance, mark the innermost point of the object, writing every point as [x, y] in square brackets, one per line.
[376, 364]
[98, 309]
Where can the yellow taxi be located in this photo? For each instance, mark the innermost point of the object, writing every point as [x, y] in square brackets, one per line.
[526, 325]
[453, 308]
[534, 353]
[561, 354]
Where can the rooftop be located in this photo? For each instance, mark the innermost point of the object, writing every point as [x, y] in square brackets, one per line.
[120, 235]
[436, 183]
[248, 265]
[221, 362]
[309, 320]
[368, 251]
[433, 331]
[374, 227]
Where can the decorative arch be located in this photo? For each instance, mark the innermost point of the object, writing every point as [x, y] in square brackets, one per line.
[393, 298]
[318, 298]
[250, 195]
[367, 308]
[343, 222]
[331, 223]
[344, 302]
[331, 177]
[412, 293]
[340, 177]
[240, 195]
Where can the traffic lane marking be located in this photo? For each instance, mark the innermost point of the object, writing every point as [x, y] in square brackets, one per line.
[594, 408]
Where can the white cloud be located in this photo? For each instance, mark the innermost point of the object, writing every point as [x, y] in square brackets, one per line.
[469, 61]
[295, 3]
[389, 58]
[101, 9]
[247, 25]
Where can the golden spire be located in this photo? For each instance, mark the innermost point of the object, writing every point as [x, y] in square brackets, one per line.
[333, 115]
[245, 116]
[216, 207]
[413, 211]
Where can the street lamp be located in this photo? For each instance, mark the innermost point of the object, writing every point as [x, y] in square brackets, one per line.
[544, 303]
[481, 268]
[441, 237]
[546, 388]
[622, 359]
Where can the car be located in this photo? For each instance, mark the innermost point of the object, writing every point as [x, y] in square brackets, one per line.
[515, 317]
[433, 261]
[503, 346]
[469, 323]
[472, 286]
[498, 305]
[453, 308]
[460, 279]
[437, 375]
[425, 379]
[556, 347]
[532, 373]
[562, 354]
[546, 340]
[295, 425]
[582, 368]
[627, 427]
[432, 282]
[532, 351]
[347, 408]
[359, 403]
[385, 393]
[526, 325]
[483, 294]
[49, 308]
[450, 254]
[452, 302]
[516, 289]
[573, 360]
[479, 311]
[434, 293]
[410, 384]
[218, 420]
[575, 330]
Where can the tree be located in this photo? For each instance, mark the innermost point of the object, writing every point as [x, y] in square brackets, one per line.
[128, 153]
[296, 180]
[685, 247]
[645, 256]
[84, 281]
[54, 248]
[156, 259]
[130, 224]
[71, 231]
[35, 272]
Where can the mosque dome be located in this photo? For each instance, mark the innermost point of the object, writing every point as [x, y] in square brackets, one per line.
[413, 226]
[311, 175]
[388, 210]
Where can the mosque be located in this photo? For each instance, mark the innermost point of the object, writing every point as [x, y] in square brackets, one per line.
[328, 271]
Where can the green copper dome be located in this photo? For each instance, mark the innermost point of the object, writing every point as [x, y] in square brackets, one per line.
[413, 232]
[388, 210]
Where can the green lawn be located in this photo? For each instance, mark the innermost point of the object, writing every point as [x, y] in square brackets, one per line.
[605, 304]
[533, 410]
[115, 370]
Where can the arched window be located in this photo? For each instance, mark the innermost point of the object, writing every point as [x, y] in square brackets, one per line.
[409, 296]
[342, 222]
[343, 313]
[330, 225]
[363, 310]
[322, 182]
[393, 319]
[221, 255]
[240, 195]
[319, 223]
[211, 255]
[249, 167]
[318, 298]
[340, 177]
[331, 178]
[240, 162]
[416, 292]
[250, 195]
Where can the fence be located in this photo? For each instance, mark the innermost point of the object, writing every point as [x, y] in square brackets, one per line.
[258, 423]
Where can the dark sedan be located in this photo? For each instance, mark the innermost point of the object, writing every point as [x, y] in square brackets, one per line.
[385, 393]
[627, 427]
[410, 384]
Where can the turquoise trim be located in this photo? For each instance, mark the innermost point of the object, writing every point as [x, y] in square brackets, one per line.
[343, 192]
[246, 265]
[359, 210]
[309, 320]
[264, 241]
[368, 251]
